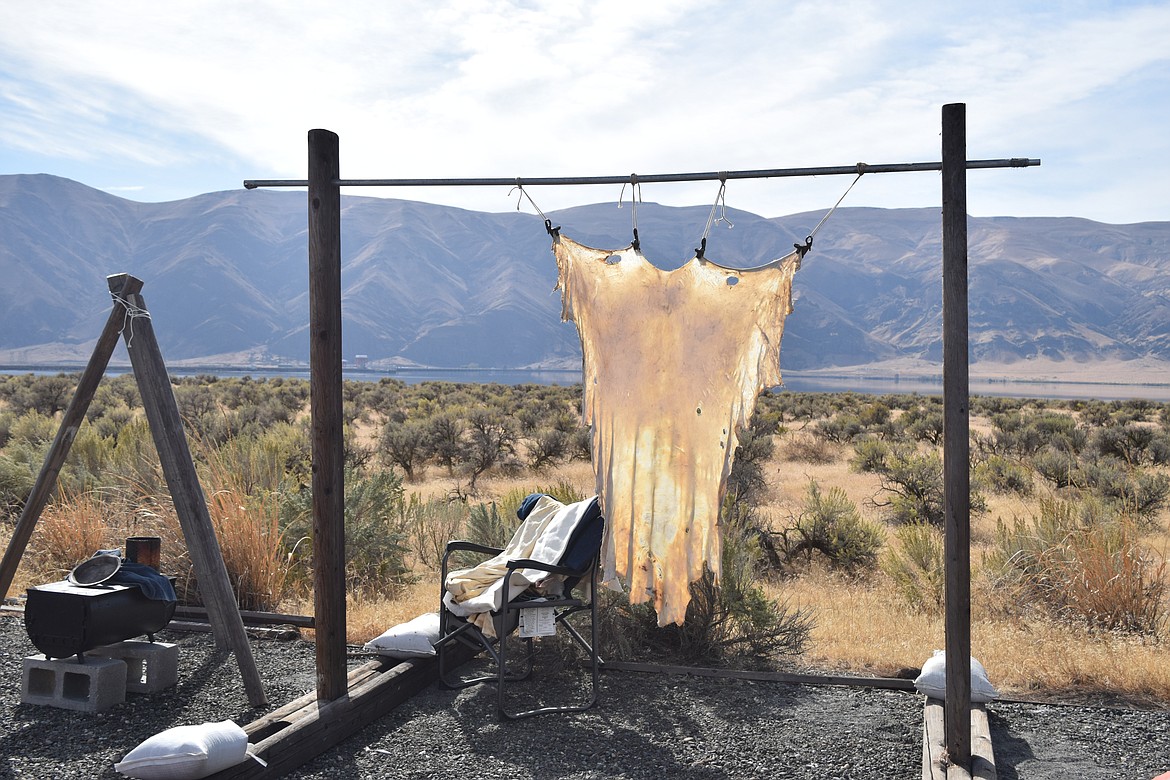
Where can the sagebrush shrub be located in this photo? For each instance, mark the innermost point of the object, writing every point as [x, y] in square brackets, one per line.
[731, 617]
[375, 541]
[1085, 567]
[403, 444]
[917, 566]
[431, 524]
[831, 525]
[1005, 475]
[807, 448]
[486, 526]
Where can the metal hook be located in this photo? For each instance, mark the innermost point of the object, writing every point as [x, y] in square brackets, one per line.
[635, 196]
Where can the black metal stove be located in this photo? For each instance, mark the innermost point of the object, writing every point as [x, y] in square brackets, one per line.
[88, 610]
[63, 619]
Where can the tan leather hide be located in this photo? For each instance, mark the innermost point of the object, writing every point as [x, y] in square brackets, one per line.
[673, 364]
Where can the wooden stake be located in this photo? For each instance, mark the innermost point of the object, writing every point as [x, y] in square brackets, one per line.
[166, 428]
[70, 423]
[956, 434]
[328, 444]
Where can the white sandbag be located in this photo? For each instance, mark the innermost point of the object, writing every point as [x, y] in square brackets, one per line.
[187, 752]
[414, 639]
[933, 679]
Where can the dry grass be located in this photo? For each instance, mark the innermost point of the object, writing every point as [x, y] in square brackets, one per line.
[70, 530]
[863, 629]
[366, 617]
[862, 625]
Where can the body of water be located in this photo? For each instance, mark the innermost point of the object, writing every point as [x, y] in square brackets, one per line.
[793, 381]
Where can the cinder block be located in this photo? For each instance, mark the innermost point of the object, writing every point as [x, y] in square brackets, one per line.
[150, 666]
[92, 686]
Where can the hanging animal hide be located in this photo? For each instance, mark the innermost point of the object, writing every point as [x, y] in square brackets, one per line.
[674, 361]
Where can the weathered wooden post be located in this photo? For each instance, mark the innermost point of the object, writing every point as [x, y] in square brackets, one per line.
[328, 446]
[956, 434]
[166, 428]
[70, 422]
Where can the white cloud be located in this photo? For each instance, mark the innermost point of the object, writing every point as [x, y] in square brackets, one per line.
[495, 88]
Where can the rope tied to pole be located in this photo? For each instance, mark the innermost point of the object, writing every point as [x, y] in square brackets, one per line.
[635, 196]
[548, 225]
[804, 248]
[718, 207]
[133, 312]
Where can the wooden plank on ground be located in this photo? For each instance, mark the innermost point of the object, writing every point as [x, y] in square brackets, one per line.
[307, 727]
[249, 616]
[935, 765]
[282, 717]
[890, 683]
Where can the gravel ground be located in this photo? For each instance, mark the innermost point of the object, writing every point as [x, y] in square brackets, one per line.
[646, 726]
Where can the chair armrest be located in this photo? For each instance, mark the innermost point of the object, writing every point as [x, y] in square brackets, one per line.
[528, 563]
[473, 547]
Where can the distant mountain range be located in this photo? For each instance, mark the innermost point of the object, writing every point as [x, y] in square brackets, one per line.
[226, 279]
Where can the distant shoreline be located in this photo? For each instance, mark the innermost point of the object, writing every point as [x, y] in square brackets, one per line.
[1098, 385]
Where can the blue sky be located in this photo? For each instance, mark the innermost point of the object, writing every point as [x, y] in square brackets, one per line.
[159, 101]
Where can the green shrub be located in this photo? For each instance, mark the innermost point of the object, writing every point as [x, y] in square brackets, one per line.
[562, 491]
[485, 526]
[731, 618]
[912, 486]
[1062, 469]
[403, 444]
[1005, 475]
[375, 542]
[547, 447]
[134, 461]
[831, 525]
[840, 429]
[45, 395]
[431, 524]
[923, 424]
[16, 482]
[1137, 445]
[491, 442]
[1022, 435]
[917, 566]
[444, 434]
[6, 420]
[870, 455]
[746, 481]
[34, 428]
[1137, 493]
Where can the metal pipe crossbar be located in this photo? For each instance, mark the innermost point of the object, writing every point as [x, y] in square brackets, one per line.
[774, 173]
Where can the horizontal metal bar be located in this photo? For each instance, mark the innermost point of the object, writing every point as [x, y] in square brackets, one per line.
[1014, 162]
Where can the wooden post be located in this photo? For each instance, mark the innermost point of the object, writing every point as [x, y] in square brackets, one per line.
[166, 428]
[70, 422]
[956, 434]
[328, 445]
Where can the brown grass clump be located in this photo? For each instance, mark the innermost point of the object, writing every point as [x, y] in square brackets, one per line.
[248, 531]
[69, 532]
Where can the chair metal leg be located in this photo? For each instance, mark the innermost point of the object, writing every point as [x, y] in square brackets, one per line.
[595, 669]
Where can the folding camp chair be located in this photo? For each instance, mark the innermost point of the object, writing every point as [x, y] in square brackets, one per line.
[572, 533]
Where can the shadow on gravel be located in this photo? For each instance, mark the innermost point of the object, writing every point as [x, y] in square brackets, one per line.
[1010, 749]
[645, 727]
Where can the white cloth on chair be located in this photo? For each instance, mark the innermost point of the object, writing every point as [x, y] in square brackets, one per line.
[544, 536]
